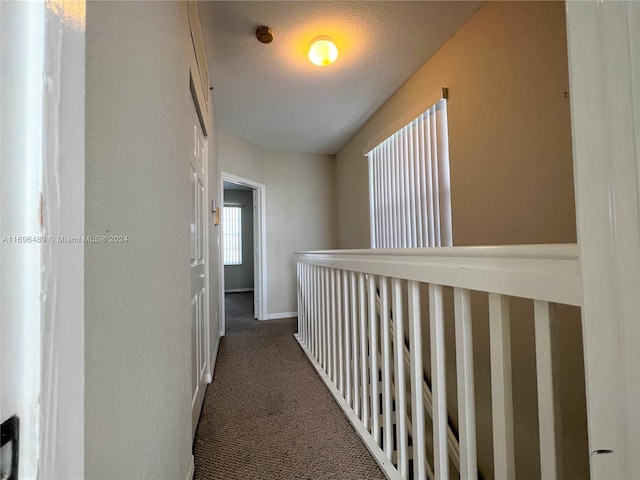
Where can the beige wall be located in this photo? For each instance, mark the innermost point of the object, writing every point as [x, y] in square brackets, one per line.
[509, 130]
[511, 183]
[300, 208]
[137, 309]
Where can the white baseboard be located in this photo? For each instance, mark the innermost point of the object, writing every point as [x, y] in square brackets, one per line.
[239, 290]
[192, 469]
[376, 452]
[278, 316]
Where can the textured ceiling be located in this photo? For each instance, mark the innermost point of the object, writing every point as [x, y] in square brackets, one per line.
[272, 96]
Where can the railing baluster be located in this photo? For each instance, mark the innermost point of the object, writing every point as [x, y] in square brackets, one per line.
[298, 290]
[299, 295]
[399, 375]
[321, 323]
[386, 369]
[309, 295]
[314, 305]
[363, 350]
[347, 337]
[319, 312]
[340, 327]
[326, 321]
[417, 379]
[334, 333]
[304, 302]
[466, 394]
[438, 383]
[354, 337]
[548, 400]
[373, 356]
[501, 391]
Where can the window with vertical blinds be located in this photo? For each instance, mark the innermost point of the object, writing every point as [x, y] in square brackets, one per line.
[409, 188]
[232, 231]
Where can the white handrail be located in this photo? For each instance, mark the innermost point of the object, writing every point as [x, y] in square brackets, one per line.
[541, 272]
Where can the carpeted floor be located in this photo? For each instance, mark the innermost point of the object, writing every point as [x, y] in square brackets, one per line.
[267, 415]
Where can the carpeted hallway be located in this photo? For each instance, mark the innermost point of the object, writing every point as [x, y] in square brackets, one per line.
[267, 415]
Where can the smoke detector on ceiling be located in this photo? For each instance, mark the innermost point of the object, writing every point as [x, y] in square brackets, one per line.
[264, 34]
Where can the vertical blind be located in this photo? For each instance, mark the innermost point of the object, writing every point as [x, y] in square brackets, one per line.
[232, 231]
[409, 187]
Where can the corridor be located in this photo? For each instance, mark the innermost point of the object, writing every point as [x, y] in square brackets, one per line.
[267, 414]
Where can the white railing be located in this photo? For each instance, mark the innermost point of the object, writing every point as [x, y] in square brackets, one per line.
[360, 323]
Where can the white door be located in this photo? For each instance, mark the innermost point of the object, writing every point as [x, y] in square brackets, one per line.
[198, 267]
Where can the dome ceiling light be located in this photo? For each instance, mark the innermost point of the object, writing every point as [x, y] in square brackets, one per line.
[323, 51]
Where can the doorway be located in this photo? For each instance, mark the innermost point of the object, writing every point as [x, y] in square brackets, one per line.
[242, 244]
[239, 274]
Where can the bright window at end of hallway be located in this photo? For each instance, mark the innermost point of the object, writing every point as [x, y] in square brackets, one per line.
[232, 231]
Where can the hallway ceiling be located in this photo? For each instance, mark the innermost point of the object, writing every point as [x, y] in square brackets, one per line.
[274, 97]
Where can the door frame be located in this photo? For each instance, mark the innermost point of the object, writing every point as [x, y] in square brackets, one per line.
[259, 230]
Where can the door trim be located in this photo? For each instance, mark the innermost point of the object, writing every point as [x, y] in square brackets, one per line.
[260, 267]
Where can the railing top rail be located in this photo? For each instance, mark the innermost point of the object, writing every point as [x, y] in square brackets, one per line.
[559, 251]
[549, 272]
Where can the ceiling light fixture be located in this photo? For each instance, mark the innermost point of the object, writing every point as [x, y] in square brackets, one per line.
[323, 51]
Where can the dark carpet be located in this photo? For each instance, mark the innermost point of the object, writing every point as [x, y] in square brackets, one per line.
[267, 414]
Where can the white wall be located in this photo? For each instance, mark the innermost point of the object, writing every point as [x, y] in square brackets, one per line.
[137, 311]
[300, 208]
[240, 157]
